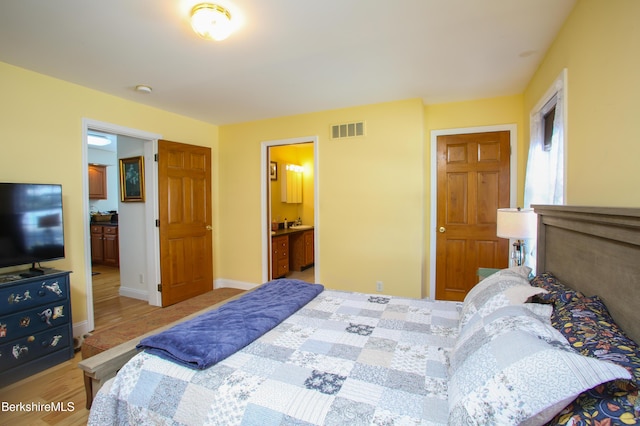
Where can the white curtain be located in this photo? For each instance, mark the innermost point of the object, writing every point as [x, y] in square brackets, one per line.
[544, 179]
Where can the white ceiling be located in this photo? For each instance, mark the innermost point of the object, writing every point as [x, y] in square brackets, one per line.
[288, 56]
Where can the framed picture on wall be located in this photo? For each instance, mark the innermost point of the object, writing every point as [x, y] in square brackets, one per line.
[132, 179]
[273, 170]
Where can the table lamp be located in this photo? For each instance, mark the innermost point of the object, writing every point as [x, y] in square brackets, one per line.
[519, 224]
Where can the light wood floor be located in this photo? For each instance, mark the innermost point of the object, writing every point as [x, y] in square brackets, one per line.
[64, 382]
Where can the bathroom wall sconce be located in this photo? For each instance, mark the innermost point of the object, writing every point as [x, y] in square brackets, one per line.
[211, 21]
[291, 191]
[295, 168]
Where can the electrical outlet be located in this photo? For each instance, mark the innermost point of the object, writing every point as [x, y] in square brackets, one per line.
[379, 286]
[141, 278]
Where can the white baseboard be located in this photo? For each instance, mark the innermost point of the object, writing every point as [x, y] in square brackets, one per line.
[242, 285]
[80, 328]
[134, 293]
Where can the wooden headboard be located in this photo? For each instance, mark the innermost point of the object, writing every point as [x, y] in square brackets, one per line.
[595, 250]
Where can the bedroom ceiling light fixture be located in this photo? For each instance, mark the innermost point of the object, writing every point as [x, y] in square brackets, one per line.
[211, 21]
[519, 224]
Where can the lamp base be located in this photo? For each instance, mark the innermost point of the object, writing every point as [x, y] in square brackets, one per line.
[517, 255]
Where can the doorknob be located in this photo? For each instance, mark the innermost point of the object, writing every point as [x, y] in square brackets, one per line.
[209, 228]
[442, 229]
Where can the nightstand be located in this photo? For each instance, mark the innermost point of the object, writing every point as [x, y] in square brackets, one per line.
[485, 272]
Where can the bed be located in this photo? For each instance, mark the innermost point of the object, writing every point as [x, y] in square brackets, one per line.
[516, 351]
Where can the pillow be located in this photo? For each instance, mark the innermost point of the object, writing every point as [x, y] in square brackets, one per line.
[505, 287]
[516, 369]
[507, 317]
[590, 330]
[520, 271]
[598, 406]
[557, 292]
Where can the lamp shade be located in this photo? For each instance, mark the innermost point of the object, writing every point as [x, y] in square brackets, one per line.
[519, 224]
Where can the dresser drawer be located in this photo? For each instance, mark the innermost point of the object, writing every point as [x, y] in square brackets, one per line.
[33, 320]
[16, 298]
[110, 230]
[33, 346]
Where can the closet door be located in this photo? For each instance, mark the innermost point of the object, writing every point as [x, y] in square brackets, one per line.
[184, 189]
[473, 182]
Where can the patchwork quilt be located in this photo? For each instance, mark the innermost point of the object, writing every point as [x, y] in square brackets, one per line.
[344, 358]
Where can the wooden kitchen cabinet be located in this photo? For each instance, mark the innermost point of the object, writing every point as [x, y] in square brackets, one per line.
[302, 250]
[105, 245]
[279, 256]
[97, 182]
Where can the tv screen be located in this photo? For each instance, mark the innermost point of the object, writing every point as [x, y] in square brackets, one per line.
[31, 225]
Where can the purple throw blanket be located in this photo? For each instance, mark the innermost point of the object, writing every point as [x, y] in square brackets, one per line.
[211, 337]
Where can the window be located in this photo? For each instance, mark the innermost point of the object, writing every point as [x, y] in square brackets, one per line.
[548, 117]
[545, 178]
[544, 181]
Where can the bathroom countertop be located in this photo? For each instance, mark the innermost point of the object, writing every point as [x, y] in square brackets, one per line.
[288, 231]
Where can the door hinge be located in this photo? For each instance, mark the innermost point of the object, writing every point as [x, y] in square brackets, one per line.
[157, 223]
[160, 288]
[155, 157]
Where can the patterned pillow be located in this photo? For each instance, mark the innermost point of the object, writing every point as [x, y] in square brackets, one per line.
[590, 330]
[504, 288]
[516, 369]
[558, 292]
[599, 406]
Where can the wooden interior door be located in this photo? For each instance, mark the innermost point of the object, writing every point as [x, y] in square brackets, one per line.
[184, 190]
[473, 182]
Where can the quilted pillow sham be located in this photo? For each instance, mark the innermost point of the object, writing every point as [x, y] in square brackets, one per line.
[505, 287]
[517, 369]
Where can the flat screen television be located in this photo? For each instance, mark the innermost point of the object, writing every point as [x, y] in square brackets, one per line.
[31, 225]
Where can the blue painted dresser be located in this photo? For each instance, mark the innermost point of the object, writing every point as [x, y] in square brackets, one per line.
[35, 324]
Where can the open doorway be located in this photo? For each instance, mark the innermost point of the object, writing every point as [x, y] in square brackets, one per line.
[290, 226]
[137, 240]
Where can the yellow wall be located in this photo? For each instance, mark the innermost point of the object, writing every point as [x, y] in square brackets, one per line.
[599, 46]
[370, 197]
[41, 134]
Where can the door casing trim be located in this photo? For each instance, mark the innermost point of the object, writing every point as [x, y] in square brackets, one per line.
[266, 201]
[513, 180]
[151, 212]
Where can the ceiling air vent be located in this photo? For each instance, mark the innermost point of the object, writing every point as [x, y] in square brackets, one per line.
[347, 130]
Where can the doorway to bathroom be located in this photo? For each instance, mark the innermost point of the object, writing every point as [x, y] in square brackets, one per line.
[289, 209]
